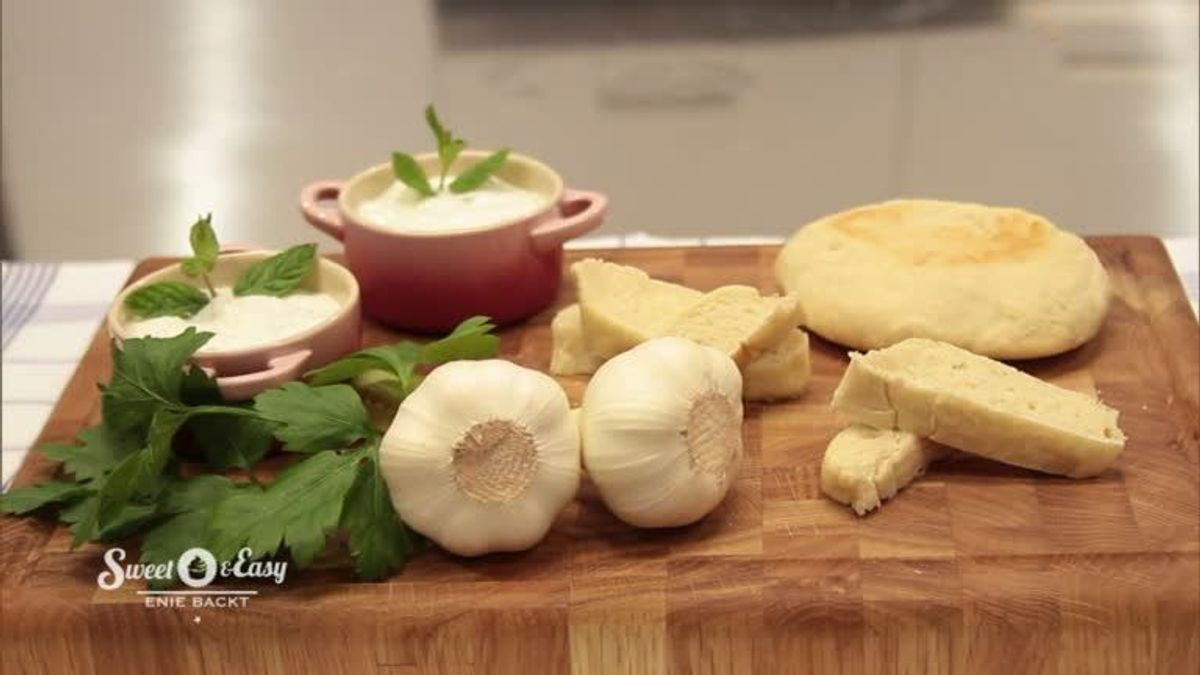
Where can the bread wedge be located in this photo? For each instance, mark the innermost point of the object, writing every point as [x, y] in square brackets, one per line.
[738, 321]
[781, 373]
[570, 354]
[622, 307]
[864, 466]
[970, 402]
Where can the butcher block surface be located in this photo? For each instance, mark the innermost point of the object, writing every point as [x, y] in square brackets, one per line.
[975, 568]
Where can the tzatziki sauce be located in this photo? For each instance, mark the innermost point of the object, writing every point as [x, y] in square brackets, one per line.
[402, 209]
[243, 322]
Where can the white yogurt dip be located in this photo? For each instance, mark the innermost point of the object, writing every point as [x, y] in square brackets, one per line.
[403, 209]
[246, 321]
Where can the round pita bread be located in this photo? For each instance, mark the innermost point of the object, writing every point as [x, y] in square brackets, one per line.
[1000, 282]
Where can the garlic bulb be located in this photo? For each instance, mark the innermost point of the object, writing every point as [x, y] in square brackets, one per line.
[662, 431]
[482, 456]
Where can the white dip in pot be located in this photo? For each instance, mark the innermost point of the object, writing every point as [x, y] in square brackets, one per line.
[244, 322]
[403, 209]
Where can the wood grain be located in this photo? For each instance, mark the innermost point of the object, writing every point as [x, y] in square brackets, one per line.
[977, 568]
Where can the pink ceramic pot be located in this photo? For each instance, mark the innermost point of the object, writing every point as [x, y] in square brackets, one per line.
[429, 282]
[243, 373]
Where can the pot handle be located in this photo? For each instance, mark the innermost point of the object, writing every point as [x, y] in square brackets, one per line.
[583, 211]
[320, 217]
[279, 370]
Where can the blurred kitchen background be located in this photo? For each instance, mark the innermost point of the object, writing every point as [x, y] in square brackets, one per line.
[124, 119]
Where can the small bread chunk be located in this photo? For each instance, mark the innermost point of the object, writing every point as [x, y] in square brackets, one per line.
[621, 307]
[970, 402]
[864, 466]
[570, 355]
[781, 373]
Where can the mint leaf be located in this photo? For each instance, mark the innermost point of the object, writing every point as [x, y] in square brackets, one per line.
[33, 497]
[97, 454]
[478, 174]
[448, 147]
[379, 542]
[166, 298]
[280, 274]
[407, 171]
[137, 471]
[204, 248]
[299, 509]
[147, 375]
[314, 418]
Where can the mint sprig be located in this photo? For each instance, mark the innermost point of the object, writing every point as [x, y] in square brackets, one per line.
[277, 276]
[205, 249]
[407, 170]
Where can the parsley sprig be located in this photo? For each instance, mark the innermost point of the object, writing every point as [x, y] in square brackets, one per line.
[132, 475]
[408, 171]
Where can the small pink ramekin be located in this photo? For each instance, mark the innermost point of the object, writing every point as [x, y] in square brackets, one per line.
[429, 282]
[243, 373]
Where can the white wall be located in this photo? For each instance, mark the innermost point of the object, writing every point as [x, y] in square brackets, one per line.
[124, 119]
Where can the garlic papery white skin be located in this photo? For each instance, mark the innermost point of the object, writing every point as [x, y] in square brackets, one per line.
[482, 456]
[661, 429]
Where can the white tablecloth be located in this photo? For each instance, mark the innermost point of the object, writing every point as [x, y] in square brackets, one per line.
[51, 310]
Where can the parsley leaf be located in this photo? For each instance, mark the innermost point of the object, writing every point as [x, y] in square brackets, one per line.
[97, 454]
[237, 442]
[137, 471]
[408, 171]
[147, 376]
[166, 298]
[379, 542]
[280, 274]
[33, 497]
[85, 520]
[479, 174]
[314, 418]
[191, 504]
[298, 509]
[471, 339]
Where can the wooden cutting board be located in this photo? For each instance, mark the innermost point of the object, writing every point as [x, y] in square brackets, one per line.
[975, 568]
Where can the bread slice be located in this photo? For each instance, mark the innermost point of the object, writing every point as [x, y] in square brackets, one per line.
[781, 373]
[622, 307]
[570, 354]
[738, 321]
[970, 402]
[864, 466]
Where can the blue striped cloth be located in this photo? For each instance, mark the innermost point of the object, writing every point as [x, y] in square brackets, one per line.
[50, 313]
[52, 310]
